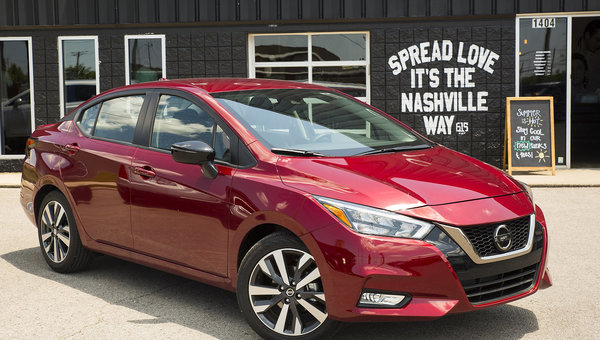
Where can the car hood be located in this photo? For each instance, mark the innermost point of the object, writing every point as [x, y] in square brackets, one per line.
[397, 181]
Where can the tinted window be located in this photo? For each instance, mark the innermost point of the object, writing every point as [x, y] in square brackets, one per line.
[145, 59]
[88, 119]
[178, 120]
[333, 47]
[222, 145]
[79, 71]
[15, 108]
[281, 47]
[117, 118]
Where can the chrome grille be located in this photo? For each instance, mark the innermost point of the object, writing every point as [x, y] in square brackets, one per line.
[482, 236]
[499, 286]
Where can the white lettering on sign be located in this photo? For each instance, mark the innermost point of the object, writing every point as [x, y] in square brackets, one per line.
[436, 125]
[453, 85]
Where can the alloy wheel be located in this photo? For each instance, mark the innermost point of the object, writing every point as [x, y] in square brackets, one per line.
[55, 232]
[286, 292]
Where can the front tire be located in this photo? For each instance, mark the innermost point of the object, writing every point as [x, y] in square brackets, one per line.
[280, 291]
[58, 236]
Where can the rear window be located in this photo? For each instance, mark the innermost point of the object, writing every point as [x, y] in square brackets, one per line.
[118, 117]
[88, 119]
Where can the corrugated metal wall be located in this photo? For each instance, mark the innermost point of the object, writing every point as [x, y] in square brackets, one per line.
[70, 12]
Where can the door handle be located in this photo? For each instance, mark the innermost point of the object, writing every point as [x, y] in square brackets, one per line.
[144, 172]
[72, 148]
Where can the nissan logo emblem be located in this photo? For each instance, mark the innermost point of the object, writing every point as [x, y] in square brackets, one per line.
[502, 238]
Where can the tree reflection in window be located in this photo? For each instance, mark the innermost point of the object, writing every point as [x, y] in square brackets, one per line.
[145, 60]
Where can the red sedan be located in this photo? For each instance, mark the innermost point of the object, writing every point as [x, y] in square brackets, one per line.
[313, 206]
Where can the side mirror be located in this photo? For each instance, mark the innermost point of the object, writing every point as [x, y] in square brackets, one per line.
[196, 152]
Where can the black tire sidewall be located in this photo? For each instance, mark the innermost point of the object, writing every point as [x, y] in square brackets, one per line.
[256, 253]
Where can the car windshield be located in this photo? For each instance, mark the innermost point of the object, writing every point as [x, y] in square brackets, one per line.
[305, 122]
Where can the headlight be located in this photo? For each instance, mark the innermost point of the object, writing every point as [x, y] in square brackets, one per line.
[527, 189]
[367, 220]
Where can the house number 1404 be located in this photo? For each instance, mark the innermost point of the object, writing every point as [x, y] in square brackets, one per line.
[543, 23]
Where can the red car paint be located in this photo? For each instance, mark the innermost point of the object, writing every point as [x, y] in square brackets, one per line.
[208, 220]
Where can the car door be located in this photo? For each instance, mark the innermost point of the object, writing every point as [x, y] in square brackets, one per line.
[99, 157]
[177, 213]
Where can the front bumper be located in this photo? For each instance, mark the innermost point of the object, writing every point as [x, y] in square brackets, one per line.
[433, 276]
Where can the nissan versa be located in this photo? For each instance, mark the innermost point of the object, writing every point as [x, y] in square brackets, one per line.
[313, 206]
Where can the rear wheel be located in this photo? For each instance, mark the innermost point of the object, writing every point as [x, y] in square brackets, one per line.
[58, 236]
[280, 291]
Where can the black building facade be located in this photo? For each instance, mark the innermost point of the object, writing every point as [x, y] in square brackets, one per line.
[444, 67]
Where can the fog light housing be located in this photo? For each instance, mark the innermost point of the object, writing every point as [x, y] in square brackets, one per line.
[383, 299]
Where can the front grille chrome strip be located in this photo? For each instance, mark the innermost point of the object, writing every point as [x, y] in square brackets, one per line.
[461, 239]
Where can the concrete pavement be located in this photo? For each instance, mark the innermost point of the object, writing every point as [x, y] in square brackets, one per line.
[114, 299]
[541, 179]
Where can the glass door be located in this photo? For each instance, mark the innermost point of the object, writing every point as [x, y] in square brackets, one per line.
[585, 92]
[16, 96]
[543, 71]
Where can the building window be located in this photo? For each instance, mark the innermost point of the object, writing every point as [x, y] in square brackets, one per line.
[78, 62]
[145, 58]
[336, 59]
[16, 96]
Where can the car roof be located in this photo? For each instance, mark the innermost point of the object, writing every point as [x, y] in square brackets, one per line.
[213, 85]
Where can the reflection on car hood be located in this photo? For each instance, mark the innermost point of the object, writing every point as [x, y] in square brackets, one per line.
[397, 181]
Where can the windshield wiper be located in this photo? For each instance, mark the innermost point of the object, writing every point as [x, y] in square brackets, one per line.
[395, 149]
[296, 152]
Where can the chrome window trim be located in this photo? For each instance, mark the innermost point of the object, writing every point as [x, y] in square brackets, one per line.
[463, 242]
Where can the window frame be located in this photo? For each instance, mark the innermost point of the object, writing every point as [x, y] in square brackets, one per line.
[163, 50]
[310, 64]
[31, 91]
[61, 80]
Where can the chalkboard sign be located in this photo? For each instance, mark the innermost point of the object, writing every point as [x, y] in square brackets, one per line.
[530, 133]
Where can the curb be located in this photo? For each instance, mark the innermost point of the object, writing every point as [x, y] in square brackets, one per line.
[10, 186]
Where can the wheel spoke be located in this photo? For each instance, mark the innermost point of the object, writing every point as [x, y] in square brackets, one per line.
[314, 311]
[261, 306]
[279, 326]
[45, 236]
[48, 246]
[296, 321]
[61, 250]
[55, 241]
[47, 217]
[309, 278]
[303, 263]
[262, 290]
[304, 259]
[278, 255]
[318, 295]
[63, 238]
[267, 268]
[55, 212]
[61, 213]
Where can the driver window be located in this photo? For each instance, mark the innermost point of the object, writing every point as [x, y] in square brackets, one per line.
[178, 120]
